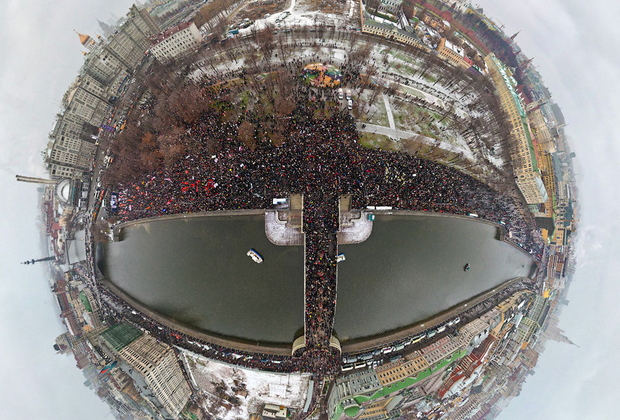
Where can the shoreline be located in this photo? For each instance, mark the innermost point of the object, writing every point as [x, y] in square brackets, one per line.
[284, 349]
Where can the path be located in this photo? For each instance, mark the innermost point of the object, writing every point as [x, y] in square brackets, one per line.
[388, 109]
[402, 134]
[291, 7]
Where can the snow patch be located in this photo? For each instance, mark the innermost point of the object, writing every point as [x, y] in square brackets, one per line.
[232, 392]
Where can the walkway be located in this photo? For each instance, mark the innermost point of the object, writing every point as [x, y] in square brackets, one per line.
[388, 109]
[320, 221]
[279, 233]
[397, 134]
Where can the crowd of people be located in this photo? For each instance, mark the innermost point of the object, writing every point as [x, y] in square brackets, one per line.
[236, 177]
[116, 311]
[321, 159]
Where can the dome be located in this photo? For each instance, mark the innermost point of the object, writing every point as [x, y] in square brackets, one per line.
[83, 38]
[63, 191]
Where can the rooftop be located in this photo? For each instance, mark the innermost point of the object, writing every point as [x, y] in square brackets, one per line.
[120, 336]
[171, 31]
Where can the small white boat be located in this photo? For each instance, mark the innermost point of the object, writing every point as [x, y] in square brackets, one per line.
[255, 256]
[340, 258]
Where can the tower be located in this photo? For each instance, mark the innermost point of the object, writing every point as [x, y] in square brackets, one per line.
[107, 29]
[34, 180]
[88, 42]
[33, 261]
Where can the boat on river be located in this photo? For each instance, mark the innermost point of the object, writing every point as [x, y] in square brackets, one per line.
[340, 258]
[255, 256]
[466, 268]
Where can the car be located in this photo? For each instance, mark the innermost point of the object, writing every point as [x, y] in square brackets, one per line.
[349, 104]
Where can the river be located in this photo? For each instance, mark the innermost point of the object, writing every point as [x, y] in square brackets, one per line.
[412, 267]
[195, 271]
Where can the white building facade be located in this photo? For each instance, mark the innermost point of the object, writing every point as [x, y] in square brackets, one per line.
[177, 42]
[157, 363]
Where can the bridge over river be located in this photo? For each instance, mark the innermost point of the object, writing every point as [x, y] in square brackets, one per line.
[193, 271]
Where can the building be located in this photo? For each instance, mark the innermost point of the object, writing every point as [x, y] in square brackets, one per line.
[440, 350]
[460, 5]
[532, 322]
[272, 411]
[158, 365]
[453, 54]
[88, 98]
[526, 171]
[541, 129]
[176, 42]
[363, 383]
[545, 164]
[390, 31]
[131, 38]
[72, 145]
[390, 6]
[472, 334]
[412, 364]
[109, 60]
[119, 336]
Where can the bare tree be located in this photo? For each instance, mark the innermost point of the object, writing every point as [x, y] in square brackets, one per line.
[266, 42]
[246, 132]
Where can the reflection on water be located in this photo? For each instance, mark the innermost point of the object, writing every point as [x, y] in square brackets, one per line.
[412, 267]
[196, 271]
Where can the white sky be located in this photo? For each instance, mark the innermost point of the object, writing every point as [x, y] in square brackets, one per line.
[39, 57]
[576, 50]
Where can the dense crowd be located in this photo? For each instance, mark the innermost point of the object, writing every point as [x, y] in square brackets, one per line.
[116, 310]
[321, 159]
[320, 156]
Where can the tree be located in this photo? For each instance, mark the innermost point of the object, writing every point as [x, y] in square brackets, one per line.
[266, 42]
[245, 134]
[171, 145]
[277, 139]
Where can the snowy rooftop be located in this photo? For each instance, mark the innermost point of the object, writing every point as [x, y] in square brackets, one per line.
[248, 389]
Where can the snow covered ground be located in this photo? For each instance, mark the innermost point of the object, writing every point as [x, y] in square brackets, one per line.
[393, 67]
[231, 392]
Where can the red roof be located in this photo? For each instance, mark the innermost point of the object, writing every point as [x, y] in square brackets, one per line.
[171, 31]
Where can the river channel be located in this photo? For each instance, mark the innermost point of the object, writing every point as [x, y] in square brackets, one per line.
[195, 271]
[412, 267]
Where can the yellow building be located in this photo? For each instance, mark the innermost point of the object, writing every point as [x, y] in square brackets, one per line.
[400, 369]
[558, 238]
[523, 156]
[545, 163]
[453, 54]
[541, 130]
[376, 409]
[389, 31]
